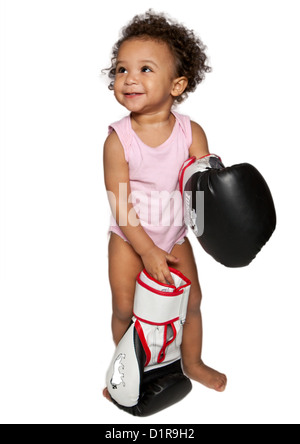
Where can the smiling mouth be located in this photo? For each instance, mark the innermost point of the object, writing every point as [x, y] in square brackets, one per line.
[133, 94]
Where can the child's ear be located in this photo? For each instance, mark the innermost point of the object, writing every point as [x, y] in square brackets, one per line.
[179, 86]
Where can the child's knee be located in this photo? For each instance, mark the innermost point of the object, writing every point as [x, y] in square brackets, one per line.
[123, 308]
[194, 301]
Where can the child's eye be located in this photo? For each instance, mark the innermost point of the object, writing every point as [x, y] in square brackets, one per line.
[121, 70]
[146, 69]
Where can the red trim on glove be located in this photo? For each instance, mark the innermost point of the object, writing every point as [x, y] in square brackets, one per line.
[140, 332]
[182, 171]
[169, 321]
[176, 292]
[182, 276]
[154, 280]
[162, 353]
[188, 163]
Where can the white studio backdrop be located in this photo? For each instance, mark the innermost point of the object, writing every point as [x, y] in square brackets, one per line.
[55, 306]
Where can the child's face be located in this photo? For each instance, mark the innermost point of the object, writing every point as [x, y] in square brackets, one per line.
[145, 76]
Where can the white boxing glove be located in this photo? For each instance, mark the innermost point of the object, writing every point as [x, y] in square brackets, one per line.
[149, 352]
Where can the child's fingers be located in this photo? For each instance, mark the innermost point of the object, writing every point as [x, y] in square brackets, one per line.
[172, 259]
[164, 277]
[169, 278]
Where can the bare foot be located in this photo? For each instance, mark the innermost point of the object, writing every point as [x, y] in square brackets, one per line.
[207, 376]
[106, 394]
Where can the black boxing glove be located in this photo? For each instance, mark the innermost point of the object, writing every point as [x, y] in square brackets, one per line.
[160, 389]
[234, 216]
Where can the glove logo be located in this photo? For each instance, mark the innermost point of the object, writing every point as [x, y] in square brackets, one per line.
[117, 377]
[194, 217]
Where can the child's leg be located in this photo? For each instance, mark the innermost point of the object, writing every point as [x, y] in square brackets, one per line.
[124, 266]
[192, 333]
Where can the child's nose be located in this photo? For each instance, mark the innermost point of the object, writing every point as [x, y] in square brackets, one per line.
[131, 79]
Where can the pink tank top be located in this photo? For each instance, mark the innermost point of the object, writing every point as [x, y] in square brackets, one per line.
[153, 174]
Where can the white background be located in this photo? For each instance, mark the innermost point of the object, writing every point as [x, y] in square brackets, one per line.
[55, 297]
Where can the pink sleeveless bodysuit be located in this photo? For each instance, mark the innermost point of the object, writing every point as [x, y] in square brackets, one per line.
[153, 174]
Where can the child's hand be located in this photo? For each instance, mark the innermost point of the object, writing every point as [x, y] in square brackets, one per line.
[155, 261]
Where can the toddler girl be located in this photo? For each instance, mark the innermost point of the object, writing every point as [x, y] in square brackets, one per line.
[155, 64]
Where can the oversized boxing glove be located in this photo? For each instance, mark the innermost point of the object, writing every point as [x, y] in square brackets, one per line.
[145, 374]
[234, 216]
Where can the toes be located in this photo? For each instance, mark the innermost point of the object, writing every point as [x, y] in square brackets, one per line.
[221, 385]
[106, 394]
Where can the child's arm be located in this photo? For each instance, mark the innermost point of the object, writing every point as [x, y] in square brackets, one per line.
[116, 171]
[199, 147]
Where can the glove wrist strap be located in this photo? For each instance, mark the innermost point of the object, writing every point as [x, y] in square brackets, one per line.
[159, 304]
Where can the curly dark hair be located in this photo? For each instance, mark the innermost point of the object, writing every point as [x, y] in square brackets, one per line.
[187, 49]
